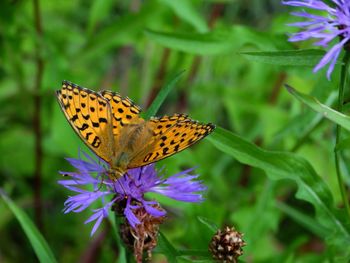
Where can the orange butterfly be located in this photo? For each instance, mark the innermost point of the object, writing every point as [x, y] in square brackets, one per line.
[112, 127]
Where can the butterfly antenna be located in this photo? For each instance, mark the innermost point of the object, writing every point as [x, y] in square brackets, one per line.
[101, 183]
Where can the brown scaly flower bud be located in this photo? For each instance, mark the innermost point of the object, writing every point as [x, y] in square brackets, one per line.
[226, 245]
[142, 237]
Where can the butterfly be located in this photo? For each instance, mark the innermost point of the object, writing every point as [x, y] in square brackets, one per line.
[111, 126]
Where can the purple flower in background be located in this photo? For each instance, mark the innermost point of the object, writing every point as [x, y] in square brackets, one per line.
[335, 24]
[92, 185]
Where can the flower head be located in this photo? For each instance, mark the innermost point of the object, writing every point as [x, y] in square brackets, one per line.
[334, 25]
[226, 245]
[91, 184]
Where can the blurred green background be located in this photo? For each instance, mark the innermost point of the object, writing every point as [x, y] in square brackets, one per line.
[136, 47]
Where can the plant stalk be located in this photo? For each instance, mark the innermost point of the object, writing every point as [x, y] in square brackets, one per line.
[37, 117]
[343, 83]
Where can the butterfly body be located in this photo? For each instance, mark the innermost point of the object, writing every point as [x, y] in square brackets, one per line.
[132, 140]
[110, 126]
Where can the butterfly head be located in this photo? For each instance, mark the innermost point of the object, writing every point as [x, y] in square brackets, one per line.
[119, 166]
[115, 174]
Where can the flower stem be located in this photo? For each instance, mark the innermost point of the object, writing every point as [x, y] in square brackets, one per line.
[37, 122]
[343, 83]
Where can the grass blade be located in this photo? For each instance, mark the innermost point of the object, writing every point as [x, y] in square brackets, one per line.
[39, 244]
[161, 96]
[305, 58]
[333, 115]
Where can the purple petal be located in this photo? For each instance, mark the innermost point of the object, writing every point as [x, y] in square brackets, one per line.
[332, 53]
[99, 215]
[130, 216]
[153, 211]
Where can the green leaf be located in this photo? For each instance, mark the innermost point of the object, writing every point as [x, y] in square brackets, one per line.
[195, 255]
[211, 225]
[343, 145]
[302, 125]
[216, 42]
[161, 96]
[39, 244]
[307, 221]
[284, 165]
[306, 57]
[116, 221]
[166, 248]
[202, 44]
[121, 30]
[99, 10]
[333, 115]
[186, 11]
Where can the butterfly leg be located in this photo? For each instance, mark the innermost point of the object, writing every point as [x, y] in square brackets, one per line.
[121, 186]
[101, 183]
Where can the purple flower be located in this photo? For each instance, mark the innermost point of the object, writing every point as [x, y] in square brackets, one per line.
[333, 25]
[91, 184]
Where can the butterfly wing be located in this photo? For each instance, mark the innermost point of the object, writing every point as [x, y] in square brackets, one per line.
[90, 116]
[171, 134]
[124, 111]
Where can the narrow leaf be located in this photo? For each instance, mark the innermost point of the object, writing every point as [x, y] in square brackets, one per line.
[166, 248]
[202, 44]
[121, 30]
[220, 41]
[186, 11]
[333, 115]
[343, 145]
[306, 57]
[161, 96]
[99, 10]
[192, 255]
[39, 244]
[211, 225]
[303, 219]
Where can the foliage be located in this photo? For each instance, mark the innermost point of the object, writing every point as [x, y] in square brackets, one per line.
[269, 165]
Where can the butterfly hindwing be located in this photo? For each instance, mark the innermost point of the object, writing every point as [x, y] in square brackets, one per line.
[163, 124]
[90, 116]
[171, 134]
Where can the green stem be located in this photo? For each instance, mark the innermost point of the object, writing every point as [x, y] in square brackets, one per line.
[343, 84]
[37, 122]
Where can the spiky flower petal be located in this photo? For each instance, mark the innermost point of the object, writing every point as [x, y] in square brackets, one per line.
[91, 184]
[333, 24]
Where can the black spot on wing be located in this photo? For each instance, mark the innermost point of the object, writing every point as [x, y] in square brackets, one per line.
[83, 127]
[87, 135]
[96, 142]
[165, 150]
[74, 118]
[86, 117]
[102, 120]
[147, 157]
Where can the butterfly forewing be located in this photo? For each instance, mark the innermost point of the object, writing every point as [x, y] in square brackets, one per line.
[124, 111]
[171, 134]
[90, 116]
